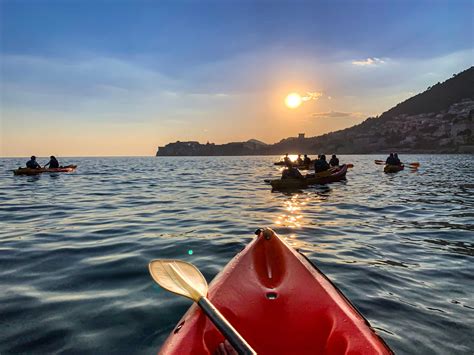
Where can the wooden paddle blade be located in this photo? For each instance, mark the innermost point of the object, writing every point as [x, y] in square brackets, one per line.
[414, 164]
[179, 277]
[379, 162]
[350, 165]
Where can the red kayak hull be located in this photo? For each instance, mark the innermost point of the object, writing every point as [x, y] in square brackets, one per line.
[281, 304]
[336, 174]
[28, 171]
[393, 168]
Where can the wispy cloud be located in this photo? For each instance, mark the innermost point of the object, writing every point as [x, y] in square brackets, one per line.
[332, 114]
[312, 96]
[369, 61]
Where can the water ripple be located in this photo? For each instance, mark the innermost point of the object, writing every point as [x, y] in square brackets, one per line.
[75, 247]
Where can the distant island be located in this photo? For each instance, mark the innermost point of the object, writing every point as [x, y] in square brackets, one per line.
[439, 120]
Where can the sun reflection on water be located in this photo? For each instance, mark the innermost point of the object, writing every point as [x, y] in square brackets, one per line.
[293, 218]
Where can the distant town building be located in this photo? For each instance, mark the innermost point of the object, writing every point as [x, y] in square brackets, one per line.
[300, 135]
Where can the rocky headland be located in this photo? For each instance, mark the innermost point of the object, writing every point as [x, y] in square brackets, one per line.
[439, 120]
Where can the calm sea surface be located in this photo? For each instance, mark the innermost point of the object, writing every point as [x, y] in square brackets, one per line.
[74, 248]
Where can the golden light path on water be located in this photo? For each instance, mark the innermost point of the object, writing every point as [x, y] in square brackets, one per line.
[293, 218]
[296, 209]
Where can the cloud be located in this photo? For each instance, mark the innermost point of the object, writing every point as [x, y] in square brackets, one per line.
[311, 96]
[369, 61]
[332, 114]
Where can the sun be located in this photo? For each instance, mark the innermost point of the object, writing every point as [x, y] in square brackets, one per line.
[293, 100]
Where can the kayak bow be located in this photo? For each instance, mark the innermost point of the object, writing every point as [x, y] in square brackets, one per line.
[281, 304]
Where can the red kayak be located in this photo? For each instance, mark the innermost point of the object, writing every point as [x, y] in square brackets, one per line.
[28, 171]
[281, 304]
[332, 175]
[393, 168]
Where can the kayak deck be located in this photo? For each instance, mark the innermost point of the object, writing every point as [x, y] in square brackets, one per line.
[393, 168]
[334, 176]
[28, 171]
[281, 304]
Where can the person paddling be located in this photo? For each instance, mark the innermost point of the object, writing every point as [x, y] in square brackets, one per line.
[32, 163]
[291, 173]
[334, 161]
[287, 160]
[391, 160]
[53, 163]
[321, 164]
[306, 160]
[396, 160]
[299, 161]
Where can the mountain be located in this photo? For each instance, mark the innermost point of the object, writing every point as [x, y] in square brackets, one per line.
[438, 120]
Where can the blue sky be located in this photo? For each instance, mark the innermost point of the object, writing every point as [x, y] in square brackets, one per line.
[121, 77]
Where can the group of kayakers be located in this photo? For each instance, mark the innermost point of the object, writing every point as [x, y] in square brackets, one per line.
[33, 164]
[393, 159]
[320, 165]
[298, 162]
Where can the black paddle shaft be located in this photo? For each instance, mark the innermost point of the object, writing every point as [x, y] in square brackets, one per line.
[234, 338]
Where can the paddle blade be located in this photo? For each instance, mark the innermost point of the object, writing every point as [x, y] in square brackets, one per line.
[415, 164]
[349, 166]
[179, 277]
[379, 162]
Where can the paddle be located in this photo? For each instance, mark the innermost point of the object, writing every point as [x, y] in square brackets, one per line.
[185, 279]
[382, 162]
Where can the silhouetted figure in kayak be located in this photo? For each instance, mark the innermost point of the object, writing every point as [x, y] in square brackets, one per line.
[391, 160]
[334, 161]
[287, 160]
[299, 161]
[396, 160]
[321, 164]
[32, 163]
[291, 173]
[306, 160]
[53, 163]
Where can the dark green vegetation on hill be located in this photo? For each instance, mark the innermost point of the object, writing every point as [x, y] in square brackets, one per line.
[439, 120]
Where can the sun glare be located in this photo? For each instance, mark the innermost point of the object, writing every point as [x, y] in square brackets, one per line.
[293, 100]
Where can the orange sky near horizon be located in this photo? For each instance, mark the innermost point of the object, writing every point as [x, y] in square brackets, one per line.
[120, 124]
[266, 118]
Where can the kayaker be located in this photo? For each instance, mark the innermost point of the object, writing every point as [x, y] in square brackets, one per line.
[321, 164]
[390, 160]
[53, 163]
[291, 173]
[32, 163]
[306, 160]
[396, 160]
[334, 161]
[299, 161]
[287, 160]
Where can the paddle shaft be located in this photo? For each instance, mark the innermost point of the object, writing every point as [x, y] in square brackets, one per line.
[234, 338]
[380, 162]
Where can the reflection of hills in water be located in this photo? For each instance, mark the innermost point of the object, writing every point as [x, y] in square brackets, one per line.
[458, 247]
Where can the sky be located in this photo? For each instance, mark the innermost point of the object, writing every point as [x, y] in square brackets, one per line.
[104, 78]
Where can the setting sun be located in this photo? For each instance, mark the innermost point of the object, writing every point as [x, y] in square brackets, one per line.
[293, 100]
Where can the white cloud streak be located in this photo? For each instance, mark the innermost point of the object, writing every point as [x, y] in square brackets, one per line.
[371, 61]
